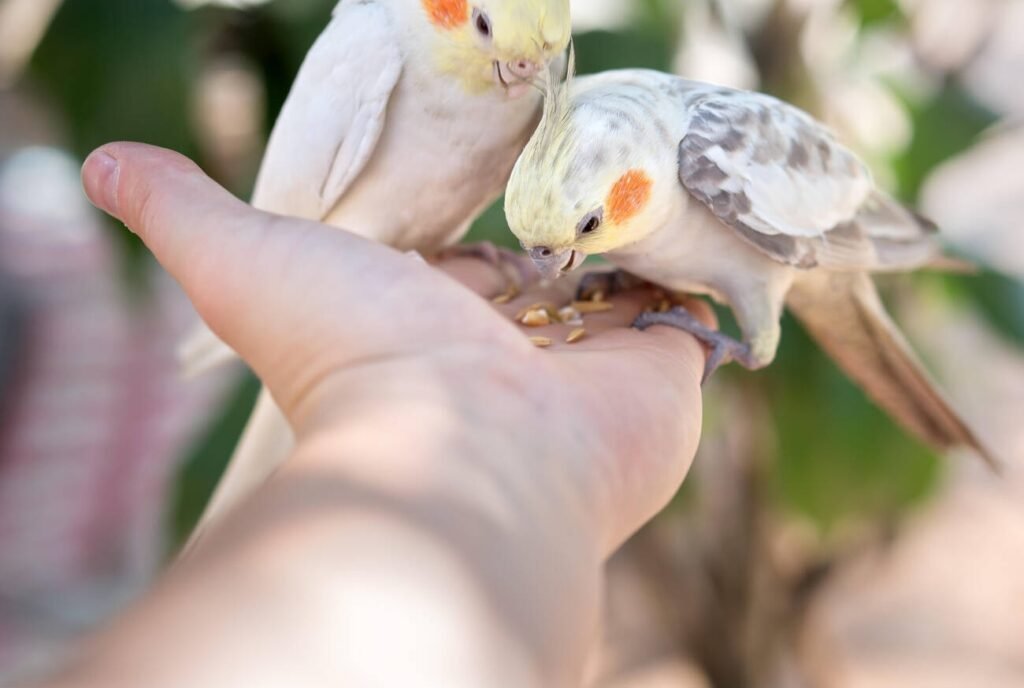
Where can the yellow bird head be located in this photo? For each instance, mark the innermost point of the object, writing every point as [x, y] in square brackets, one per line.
[503, 43]
[591, 180]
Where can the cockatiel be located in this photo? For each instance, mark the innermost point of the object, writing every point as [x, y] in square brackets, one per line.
[737, 195]
[403, 124]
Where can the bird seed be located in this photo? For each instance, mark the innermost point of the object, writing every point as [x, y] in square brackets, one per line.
[585, 307]
[576, 335]
[536, 318]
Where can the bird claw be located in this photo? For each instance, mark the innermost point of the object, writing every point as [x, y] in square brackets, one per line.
[722, 348]
[518, 270]
[608, 283]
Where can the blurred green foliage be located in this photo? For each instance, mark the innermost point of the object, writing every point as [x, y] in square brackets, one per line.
[873, 12]
[999, 298]
[838, 454]
[120, 69]
[124, 69]
[944, 126]
[209, 457]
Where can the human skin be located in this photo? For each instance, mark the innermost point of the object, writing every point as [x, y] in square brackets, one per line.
[454, 491]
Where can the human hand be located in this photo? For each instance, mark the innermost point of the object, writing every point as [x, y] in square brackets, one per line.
[422, 407]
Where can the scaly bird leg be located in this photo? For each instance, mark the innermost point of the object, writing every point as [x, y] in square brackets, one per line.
[608, 283]
[518, 270]
[723, 348]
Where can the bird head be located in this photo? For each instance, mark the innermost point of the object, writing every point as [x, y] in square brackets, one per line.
[497, 43]
[587, 182]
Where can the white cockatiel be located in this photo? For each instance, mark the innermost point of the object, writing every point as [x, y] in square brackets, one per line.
[403, 124]
[705, 189]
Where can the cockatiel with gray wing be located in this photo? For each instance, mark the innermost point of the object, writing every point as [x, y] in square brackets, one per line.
[403, 124]
[740, 196]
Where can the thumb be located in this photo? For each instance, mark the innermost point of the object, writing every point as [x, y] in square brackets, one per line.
[271, 287]
[194, 227]
[224, 253]
[165, 199]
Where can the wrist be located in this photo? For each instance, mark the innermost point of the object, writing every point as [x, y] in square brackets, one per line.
[454, 454]
[429, 459]
[408, 539]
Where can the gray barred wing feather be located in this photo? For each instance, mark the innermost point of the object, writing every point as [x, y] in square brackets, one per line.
[780, 179]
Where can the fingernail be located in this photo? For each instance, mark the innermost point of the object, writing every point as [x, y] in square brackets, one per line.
[99, 176]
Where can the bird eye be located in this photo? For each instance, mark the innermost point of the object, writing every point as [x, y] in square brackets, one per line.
[482, 23]
[590, 223]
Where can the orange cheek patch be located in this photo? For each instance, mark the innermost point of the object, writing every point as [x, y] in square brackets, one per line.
[629, 196]
[447, 14]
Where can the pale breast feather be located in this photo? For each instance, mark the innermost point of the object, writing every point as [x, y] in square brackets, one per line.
[771, 172]
[334, 115]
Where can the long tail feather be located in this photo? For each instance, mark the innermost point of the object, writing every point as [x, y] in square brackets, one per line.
[264, 445]
[844, 313]
[202, 351]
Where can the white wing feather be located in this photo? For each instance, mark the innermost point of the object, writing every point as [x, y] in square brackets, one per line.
[334, 115]
[324, 136]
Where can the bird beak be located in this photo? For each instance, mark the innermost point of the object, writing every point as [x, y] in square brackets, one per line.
[515, 77]
[553, 264]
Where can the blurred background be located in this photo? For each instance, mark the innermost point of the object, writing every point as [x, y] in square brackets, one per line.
[813, 545]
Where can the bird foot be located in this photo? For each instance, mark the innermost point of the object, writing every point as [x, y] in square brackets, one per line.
[517, 269]
[722, 348]
[607, 283]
